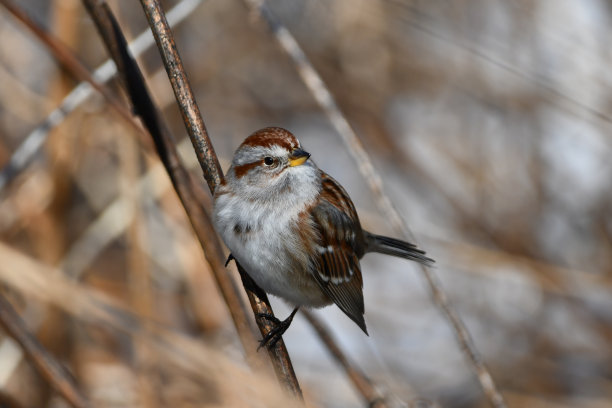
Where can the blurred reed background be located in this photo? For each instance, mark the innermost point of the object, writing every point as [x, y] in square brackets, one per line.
[489, 121]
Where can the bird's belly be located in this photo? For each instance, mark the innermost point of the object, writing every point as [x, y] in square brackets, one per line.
[270, 260]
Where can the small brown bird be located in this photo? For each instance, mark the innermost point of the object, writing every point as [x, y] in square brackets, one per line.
[295, 229]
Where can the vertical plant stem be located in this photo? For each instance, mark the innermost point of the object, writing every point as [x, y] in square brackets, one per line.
[189, 191]
[210, 166]
[183, 93]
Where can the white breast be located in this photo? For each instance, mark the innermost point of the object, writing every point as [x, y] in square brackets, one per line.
[262, 236]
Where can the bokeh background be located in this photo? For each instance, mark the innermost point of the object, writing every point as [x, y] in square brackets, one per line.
[489, 122]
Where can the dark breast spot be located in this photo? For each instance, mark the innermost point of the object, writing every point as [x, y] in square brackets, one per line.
[238, 228]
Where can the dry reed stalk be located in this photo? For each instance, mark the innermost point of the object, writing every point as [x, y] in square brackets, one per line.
[191, 195]
[181, 180]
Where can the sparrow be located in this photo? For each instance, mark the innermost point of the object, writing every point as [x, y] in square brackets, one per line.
[295, 229]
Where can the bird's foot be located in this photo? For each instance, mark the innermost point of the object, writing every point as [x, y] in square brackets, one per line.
[230, 257]
[280, 327]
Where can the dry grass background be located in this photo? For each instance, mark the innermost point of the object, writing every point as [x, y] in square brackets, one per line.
[490, 121]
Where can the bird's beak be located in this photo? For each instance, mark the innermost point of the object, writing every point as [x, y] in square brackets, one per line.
[298, 157]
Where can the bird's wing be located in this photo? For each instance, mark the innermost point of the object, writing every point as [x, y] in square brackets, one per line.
[339, 248]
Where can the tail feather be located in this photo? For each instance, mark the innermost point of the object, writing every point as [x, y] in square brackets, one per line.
[396, 247]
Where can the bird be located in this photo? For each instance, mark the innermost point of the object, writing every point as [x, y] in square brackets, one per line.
[295, 230]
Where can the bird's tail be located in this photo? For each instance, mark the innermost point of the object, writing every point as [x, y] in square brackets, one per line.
[396, 247]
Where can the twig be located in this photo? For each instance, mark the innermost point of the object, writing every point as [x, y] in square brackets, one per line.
[48, 367]
[212, 172]
[32, 143]
[182, 91]
[325, 99]
[144, 107]
[189, 192]
[363, 384]
[280, 357]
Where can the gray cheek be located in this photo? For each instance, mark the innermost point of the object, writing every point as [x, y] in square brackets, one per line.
[284, 183]
[256, 177]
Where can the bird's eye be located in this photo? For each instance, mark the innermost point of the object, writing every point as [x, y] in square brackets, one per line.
[268, 161]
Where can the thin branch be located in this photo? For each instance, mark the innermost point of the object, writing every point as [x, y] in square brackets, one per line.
[361, 382]
[325, 99]
[191, 194]
[46, 364]
[32, 143]
[65, 56]
[183, 93]
[181, 180]
[213, 173]
[279, 355]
